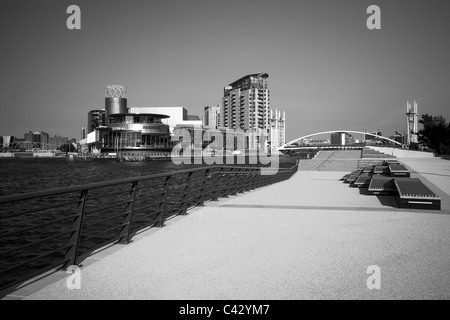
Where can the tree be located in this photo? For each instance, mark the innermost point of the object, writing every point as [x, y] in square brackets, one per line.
[435, 133]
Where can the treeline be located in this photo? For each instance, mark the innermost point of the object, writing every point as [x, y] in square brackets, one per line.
[435, 133]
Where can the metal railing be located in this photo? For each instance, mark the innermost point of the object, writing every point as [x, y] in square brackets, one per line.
[57, 228]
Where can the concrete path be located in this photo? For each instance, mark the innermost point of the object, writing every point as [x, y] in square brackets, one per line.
[311, 237]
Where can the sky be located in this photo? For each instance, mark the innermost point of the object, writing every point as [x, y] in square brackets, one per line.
[326, 69]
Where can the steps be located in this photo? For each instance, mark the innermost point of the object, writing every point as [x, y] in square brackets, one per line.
[332, 160]
[344, 160]
[394, 179]
[374, 154]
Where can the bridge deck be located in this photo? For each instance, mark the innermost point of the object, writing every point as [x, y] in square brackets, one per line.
[310, 237]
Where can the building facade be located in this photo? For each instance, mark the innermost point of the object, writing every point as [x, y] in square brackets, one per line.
[125, 132]
[277, 129]
[246, 106]
[412, 123]
[96, 118]
[211, 117]
[37, 139]
[176, 116]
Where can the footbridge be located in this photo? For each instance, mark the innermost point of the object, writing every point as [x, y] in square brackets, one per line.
[338, 138]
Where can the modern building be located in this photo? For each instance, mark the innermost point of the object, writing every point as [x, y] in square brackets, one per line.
[211, 117]
[246, 106]
[96, 118]
[176, 116]
[412, 123]
[38, 139]
[127, 132]
[277, 129]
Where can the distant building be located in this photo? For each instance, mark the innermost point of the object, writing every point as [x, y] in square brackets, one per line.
[277, 129]
[399, 138]
[28, 136]
[37, 139]
[338, 139]
[211, 116]
[6, 141]
[176, 115]
[372, 135]
[96, 118]
[412, 123]
[84, 132]
[57, 141]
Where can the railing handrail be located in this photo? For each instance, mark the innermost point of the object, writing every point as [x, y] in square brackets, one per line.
[94, 185]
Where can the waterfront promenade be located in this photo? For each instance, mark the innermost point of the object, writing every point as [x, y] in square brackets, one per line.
[311, 237]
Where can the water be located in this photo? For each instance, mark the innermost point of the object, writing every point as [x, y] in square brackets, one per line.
[28, 175]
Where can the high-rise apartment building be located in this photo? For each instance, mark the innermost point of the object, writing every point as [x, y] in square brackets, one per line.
[212, 116]
[246, 104]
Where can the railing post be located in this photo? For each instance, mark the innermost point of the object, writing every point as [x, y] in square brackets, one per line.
[75, 236]
[202, 195]
[163, 204]
[126, 224]
[260, 181]
[252, 180]
[217, 184]
[230, 175]
[243, 177]
[187, 192]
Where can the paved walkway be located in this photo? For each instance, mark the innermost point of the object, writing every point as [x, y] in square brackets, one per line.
[311, 237]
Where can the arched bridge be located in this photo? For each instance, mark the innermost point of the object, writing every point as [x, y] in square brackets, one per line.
[335, 138]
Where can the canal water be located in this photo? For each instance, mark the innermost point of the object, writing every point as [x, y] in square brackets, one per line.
[22, 175]
[25, 175]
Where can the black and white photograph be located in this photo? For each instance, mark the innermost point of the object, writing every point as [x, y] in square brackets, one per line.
[224, 157]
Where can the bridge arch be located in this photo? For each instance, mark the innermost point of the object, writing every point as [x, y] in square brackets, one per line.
[337, 131]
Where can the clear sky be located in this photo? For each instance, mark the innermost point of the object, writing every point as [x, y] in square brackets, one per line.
[326, 68]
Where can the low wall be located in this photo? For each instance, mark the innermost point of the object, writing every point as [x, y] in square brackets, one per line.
[43, 154]
[6, 155]
[401, 153]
